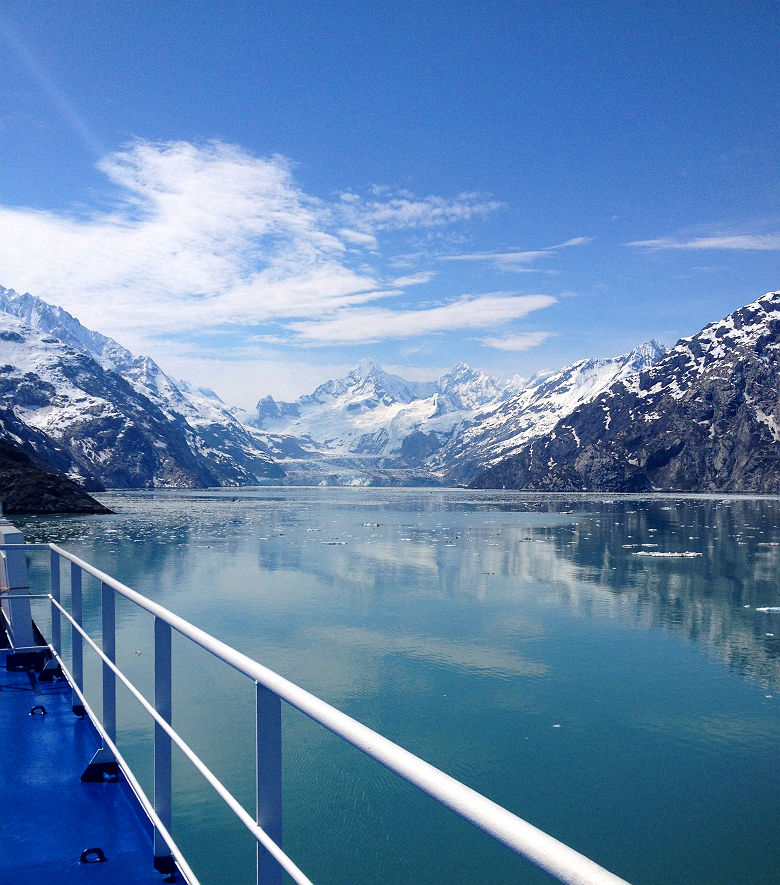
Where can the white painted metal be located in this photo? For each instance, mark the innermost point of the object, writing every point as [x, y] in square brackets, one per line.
[543, 850]
[108, 628]
[13, 576]
[54, 589]
[162, 742]
[241, 813]
[76, 647]
[268, 709]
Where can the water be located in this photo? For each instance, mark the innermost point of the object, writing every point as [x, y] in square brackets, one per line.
[626, 703]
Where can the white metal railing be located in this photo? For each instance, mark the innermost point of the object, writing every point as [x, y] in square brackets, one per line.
[557, 859]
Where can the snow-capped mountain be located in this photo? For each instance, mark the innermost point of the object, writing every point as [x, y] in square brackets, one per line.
[704, 417]
[447, 430]
[371, 413]
[93, 410]
[86, 406]
[497, 433]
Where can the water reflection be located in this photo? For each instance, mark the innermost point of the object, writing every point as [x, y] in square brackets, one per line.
[522, 643]
[307, 551]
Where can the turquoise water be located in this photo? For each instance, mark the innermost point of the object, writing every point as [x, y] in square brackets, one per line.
[538, 648]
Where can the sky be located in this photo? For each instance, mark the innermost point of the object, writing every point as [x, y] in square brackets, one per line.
[261, 194]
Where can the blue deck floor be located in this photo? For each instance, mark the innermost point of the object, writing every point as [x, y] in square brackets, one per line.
[48, 815]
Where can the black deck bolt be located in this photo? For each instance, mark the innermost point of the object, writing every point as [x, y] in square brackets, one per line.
[93, 855]
[38, 707]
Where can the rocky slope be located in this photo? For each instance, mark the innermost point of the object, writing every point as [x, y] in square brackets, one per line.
[25, 488]
[497, 432]
[706, 417]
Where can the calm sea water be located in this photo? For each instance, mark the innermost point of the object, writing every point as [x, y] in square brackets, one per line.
[556, 653]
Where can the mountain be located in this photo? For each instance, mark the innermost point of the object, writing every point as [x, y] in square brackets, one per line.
[705, 417]
[88, 408]
[498, 431]
[27, 488]
[373, 426]
[94, 411]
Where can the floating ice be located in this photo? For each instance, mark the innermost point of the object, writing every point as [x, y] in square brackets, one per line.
[686, 553]
[769, 608]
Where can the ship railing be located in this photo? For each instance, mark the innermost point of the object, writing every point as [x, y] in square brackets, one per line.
[547, 853]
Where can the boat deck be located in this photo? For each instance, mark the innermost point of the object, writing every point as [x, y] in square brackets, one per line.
[49, 816]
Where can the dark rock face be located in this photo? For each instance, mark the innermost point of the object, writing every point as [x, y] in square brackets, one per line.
[706, 417]
[25, 488]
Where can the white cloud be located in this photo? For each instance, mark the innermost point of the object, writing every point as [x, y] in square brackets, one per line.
[203, 236]
[200, 236]
[403, 210]
[518, 260]
[204, 239]
[517, 342]
[416, 279]
[738, 242]
[358, 238]
[375, 324]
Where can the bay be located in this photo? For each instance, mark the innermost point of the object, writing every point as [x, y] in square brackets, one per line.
[596, 664]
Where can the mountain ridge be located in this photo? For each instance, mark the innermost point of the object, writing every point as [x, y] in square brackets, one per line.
[705, 417]
[445, 430]
[123, 421]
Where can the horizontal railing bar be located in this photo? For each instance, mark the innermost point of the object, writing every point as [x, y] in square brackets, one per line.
[4, 595]
[24, 546]
[249, 822]
[543, 850]
[134, 785]
[15, 648]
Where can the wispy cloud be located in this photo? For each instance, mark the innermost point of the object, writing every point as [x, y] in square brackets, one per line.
[519, 260]
[519, 342]
[207, 252]
[203, 236]
[403, 210]
[416, 279]
[727, 242]
[375, 324]
[359, 238]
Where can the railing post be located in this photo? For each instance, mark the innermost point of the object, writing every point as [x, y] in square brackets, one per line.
[77, 648]
[13, 575]
[269, 781]
[162, 743]
[107, 608]
[54, 589]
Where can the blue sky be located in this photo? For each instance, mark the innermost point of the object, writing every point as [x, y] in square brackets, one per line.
[260, 194]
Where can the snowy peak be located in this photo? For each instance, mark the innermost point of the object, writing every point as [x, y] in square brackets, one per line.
[62, 325]
[463, 388]
[365, 389]
[80, 390]
[371, 412]
[748, 330]
[447, 428]
[704, 417]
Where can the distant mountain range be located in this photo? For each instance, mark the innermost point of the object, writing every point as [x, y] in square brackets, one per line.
[704, 415]
[381, 427]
